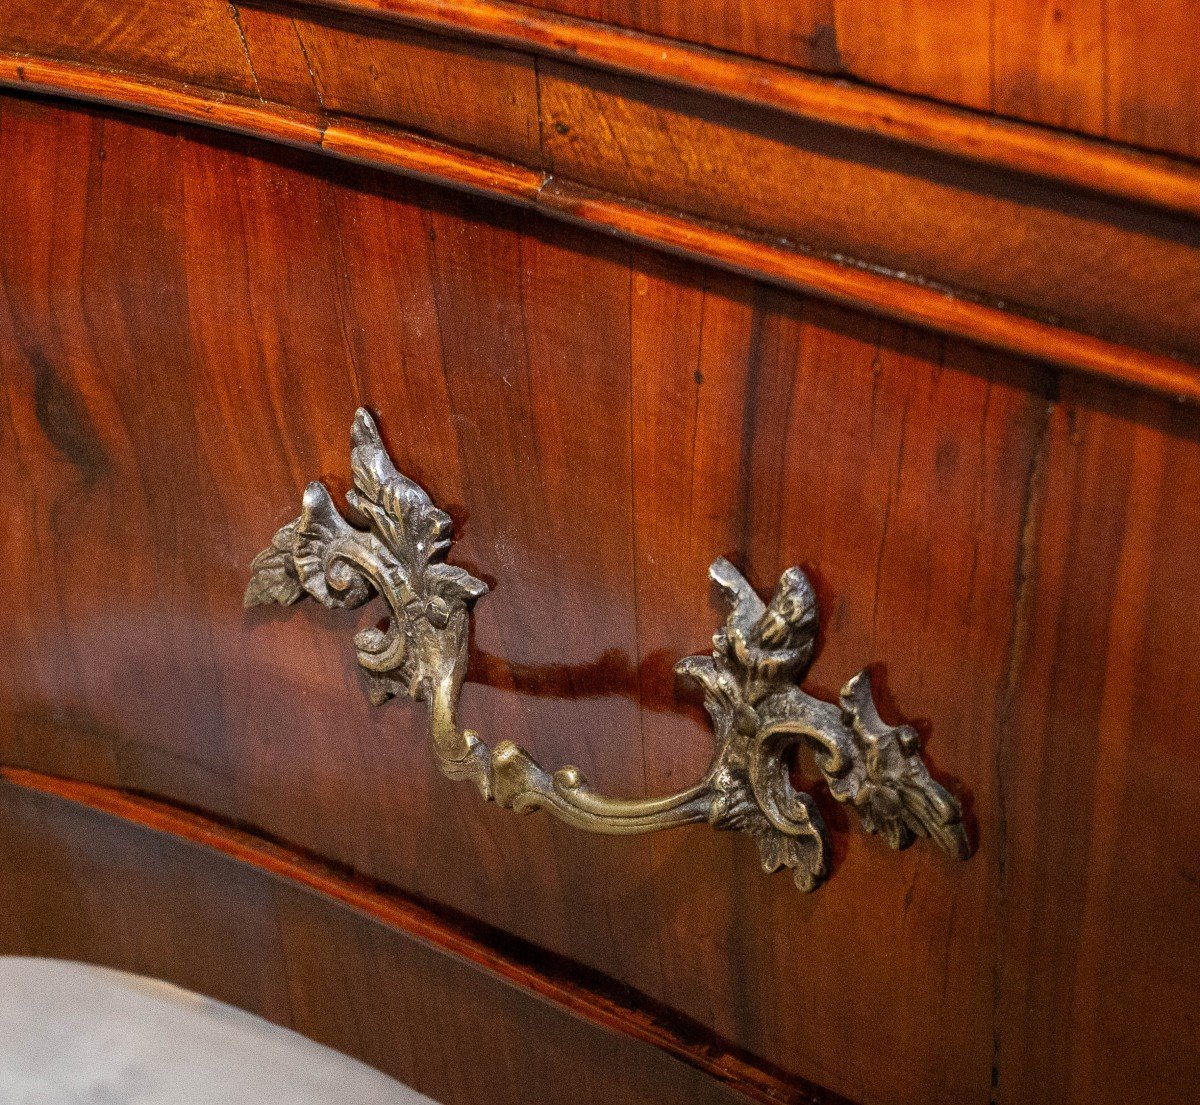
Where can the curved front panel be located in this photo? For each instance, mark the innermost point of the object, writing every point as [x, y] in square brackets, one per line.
[189, 321]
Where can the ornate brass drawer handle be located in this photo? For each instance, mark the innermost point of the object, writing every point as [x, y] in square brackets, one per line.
[750, 685]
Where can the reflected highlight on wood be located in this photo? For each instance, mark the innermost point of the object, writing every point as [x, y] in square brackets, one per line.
[598, 418]
[750, 251]
[751, 685]
[1005, 145]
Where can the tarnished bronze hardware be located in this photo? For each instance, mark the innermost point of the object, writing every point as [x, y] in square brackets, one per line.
[750, 685]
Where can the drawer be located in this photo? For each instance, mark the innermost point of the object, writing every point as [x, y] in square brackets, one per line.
[1003, 535]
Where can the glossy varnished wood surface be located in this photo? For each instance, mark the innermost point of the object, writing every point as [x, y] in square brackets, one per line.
[1101, 803]
[187, 323]
[990, 139]
[902, 299]
[1124, 71]
[342, 969]
[61, 806]
[901, 208]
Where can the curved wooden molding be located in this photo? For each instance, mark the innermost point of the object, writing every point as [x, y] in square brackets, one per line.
[411, 155]
[584, 994]
[1098, 166]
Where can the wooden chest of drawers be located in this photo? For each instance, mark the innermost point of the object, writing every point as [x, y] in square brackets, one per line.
[904, 294]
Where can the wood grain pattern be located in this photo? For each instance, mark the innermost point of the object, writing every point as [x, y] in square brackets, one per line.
[988, 140]
[467, 94]
[1024, 265]
[411, 154]
[1122, 71]
[1049, 62]
[1120, 75]
[1007, 243]
[927, 47]
[1099, 793]
[1153, 78]
[415, 994]
[601, 421]
[801, 33]
[199, 42]
[449, 318]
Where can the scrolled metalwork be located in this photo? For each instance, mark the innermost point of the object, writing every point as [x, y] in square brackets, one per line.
[750, 684]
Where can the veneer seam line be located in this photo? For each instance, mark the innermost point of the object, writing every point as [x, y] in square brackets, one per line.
[1081, 161]
[860, 285]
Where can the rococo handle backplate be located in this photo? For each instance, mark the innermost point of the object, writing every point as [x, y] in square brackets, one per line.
[751, 685]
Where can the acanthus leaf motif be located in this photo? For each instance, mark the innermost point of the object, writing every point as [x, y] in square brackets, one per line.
[401, 513]
[273, 575]
[752, 693]
[888, 782]
[751, 683]
[323, 555]
[760, 645]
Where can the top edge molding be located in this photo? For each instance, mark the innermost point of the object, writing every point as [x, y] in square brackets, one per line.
[412, 155]
[1094, 165]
